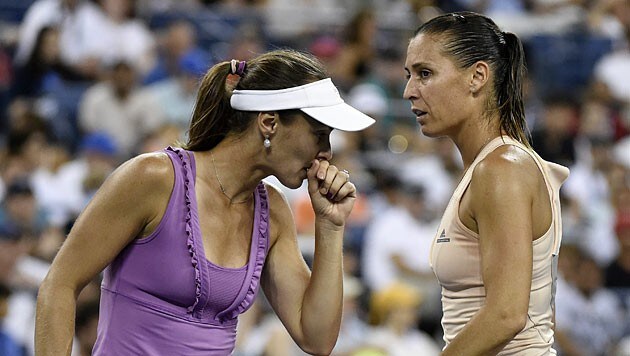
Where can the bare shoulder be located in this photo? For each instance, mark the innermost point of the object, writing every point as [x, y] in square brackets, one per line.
[505, 184]
[153, 167]
[278, 202]
[150, 173]
[507, 164]
[280, 212]
[507, 167]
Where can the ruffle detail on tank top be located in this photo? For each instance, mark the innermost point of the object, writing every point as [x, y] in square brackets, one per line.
[259, 263]
[190, 240]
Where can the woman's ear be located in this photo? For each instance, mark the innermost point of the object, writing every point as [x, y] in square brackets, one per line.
[268, 123]
[480, 75]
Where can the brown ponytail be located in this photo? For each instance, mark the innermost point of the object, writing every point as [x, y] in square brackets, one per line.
[212, 113]
[510, 91]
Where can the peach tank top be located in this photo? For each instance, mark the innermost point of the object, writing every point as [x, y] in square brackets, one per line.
[455, 260]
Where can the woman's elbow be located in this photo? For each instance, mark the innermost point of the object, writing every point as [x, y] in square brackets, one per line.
[51, 289]
[519, 323]
[45, 288]
[318, 351]
[513, 321]
[319, 348]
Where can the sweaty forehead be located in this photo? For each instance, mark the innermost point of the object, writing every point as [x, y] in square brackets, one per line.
[423, 45]
[425, 49]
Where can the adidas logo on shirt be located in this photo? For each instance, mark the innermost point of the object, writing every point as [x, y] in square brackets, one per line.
[443, 237]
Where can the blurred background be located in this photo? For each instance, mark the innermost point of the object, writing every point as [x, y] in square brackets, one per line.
[85, 85]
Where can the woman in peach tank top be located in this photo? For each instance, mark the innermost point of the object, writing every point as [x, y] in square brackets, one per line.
[496, 248]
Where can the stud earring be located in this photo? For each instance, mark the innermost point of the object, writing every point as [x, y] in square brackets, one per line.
[267, 142]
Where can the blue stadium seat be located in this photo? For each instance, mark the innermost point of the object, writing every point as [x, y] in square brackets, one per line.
[564, 63]
[12, 11]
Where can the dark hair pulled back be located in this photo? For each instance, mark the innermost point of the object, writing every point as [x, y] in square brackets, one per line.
[470, 37]
[213, 118]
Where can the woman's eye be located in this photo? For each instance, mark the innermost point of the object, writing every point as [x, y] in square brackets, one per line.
[425, 73]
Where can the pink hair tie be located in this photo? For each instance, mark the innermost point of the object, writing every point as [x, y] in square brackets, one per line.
[238, 67]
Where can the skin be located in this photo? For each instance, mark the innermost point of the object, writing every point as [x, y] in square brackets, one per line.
[50, 47]
[506, 204]
[308, 303]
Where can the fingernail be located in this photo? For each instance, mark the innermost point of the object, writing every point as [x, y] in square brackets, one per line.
[329, 195]
[323, 190]
[320, 175]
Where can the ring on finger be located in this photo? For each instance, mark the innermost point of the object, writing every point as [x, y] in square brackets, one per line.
[346, 172]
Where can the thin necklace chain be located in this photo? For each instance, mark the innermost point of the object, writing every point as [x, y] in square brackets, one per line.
[216, 174]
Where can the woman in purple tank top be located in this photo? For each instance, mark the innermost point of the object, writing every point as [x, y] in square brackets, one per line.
[185, 236]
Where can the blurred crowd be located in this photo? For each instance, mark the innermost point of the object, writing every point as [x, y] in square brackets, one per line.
[87, 84]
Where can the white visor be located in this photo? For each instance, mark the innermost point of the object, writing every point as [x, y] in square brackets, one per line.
[319, 99]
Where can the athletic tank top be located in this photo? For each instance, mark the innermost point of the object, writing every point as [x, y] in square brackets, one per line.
[161, 295]
[455, 259]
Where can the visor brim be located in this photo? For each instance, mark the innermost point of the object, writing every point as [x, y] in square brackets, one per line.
[340, 116]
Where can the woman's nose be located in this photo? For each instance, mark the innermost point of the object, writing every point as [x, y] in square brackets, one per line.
[409, 92]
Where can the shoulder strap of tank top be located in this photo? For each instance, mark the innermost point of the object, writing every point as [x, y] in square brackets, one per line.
[464, 182]
[192, 241]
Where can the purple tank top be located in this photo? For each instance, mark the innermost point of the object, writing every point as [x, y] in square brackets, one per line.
[161, 295]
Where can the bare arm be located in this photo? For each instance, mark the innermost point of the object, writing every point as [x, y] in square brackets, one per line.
[500, 197]
[126, 205]
[309, 304]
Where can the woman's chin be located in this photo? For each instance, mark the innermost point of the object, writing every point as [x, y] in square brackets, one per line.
[293, 182]
[428, 133]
